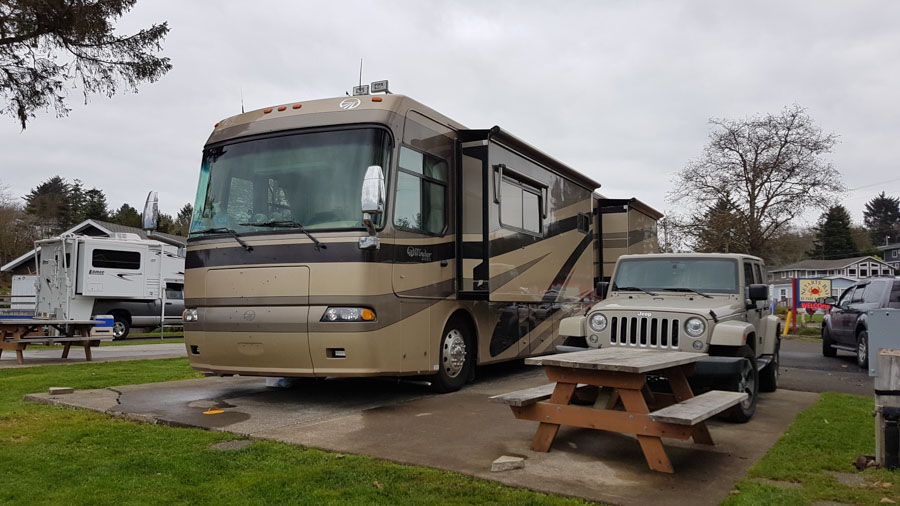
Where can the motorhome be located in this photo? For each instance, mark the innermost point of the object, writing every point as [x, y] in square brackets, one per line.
[372, 235]
[137, 281]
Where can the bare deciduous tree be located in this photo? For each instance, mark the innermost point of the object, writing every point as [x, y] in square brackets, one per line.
[769, 169]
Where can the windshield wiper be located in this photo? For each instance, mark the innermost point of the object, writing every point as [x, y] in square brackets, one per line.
[632, 288]
[686, 290]
[232, 233]
[288, 224]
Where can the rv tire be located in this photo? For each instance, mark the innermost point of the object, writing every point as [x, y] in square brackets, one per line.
[455, 357]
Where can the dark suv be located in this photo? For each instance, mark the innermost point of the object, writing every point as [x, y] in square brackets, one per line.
[846, 327]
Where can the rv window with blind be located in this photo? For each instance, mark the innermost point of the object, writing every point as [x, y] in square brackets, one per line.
[113, 259]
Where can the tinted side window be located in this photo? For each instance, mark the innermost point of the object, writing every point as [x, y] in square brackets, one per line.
[758, 272]
[874, 293]
[858, 294]
[894, 299]
[520, 206]
[112, 259]
[748, 273]
[421, 192]
[845, 297]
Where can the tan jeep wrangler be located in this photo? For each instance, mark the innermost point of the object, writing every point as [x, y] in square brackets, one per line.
[704, 302]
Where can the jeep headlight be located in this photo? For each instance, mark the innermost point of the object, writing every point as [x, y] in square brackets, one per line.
[597, 322]
[695, 327]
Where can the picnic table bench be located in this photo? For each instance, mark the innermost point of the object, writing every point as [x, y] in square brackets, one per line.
[614, 380]
[17, 333]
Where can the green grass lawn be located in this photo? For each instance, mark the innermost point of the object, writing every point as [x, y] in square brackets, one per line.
[53, 455]
[825, 438]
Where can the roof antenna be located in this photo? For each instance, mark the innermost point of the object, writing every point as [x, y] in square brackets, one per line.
[360, 71]
[242, 100]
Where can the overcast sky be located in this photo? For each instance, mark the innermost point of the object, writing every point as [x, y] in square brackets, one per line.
[621, 91]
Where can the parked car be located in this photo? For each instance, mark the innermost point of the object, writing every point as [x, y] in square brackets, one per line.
[846, 327]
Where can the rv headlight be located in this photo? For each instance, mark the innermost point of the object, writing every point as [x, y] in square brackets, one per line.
[189, 315]
[348, 314]
[597, 322]
[695, 327]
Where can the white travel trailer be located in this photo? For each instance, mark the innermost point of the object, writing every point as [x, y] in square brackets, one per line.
[82, 276]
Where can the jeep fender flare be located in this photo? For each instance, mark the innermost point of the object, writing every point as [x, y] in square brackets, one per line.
[731, 333]
[770, 335]
[572, 326]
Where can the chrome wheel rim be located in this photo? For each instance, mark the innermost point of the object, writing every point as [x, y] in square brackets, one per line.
[861, 350]
[746, 383]
[453, 354]
[118, 329]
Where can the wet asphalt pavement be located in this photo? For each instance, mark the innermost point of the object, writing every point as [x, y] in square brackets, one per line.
[804, 368]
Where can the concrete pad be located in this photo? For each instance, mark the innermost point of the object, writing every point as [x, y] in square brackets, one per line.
[462, 432]
[39, 355]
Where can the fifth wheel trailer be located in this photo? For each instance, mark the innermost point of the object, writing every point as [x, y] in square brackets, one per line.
[373, 235]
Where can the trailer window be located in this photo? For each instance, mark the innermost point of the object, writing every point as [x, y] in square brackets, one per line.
[114, 259]
[421, 192]
[520, 206]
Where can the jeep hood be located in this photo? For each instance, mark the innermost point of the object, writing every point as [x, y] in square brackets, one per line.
[672, 304]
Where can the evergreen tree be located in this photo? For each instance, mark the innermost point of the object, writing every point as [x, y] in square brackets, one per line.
[48, 204]
[718, 229]
[50, 47]
[127, 215]
[834, 238]
[882, 218]
[183, 220]
[94, 205]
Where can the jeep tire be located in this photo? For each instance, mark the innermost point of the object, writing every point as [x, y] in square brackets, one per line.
[768, 377]
[747, 382]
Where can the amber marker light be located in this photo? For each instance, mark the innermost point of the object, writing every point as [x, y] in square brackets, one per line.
[267, 111]
[376, 99]
[217, 124]
[367, 315]
[296, 106]
[281, 108]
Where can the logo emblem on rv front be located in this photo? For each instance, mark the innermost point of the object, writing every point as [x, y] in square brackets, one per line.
[250, 315]
[349, 103]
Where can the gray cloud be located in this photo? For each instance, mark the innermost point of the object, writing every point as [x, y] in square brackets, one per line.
[619, 90]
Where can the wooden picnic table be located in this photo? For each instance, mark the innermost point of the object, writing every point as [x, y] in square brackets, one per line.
[615, 380]
[17, 333]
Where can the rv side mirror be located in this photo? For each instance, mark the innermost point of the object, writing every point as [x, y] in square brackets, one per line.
[602, 287]
[373, 191]
[150, 216]
[372, 197]
[758, 292]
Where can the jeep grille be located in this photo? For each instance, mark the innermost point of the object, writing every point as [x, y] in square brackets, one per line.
[644, 332]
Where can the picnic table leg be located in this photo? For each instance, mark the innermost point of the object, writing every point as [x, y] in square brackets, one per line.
[87, 350]
[546, 432]
[66, 350]
[652, 446]
[20, 358]
[682, 390]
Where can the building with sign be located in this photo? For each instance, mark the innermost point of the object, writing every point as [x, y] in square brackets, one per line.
[841, 273]
[892, 254]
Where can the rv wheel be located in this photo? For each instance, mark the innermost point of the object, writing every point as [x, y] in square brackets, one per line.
[121, 326]
[455, 361]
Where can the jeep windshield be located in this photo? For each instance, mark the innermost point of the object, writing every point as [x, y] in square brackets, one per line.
[311, 180]
[704, 275]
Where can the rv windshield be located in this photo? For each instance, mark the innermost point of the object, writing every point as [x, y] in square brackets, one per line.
[704, 275]
[313, 179]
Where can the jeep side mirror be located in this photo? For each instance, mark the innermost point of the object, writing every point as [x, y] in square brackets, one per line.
[826, 300]
[758, 292]
[602, 287]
